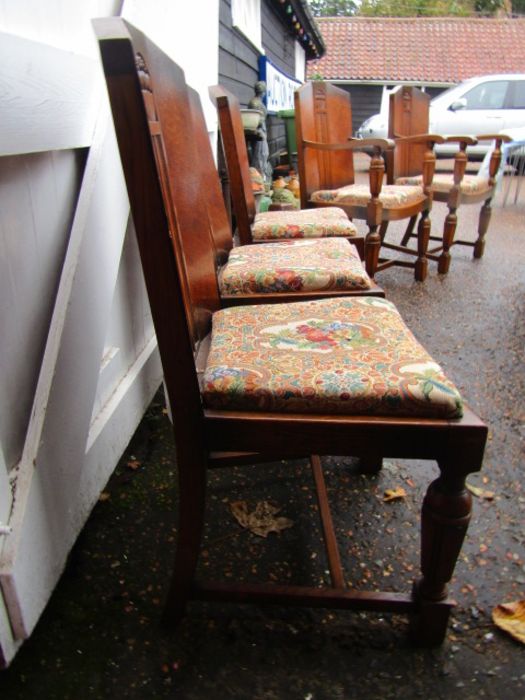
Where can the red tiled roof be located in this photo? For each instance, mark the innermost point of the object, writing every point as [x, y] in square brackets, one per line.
[439, 50]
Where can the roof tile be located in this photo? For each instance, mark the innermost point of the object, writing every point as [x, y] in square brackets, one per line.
[434, 50]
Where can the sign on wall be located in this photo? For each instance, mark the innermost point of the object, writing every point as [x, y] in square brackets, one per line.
[280, 87]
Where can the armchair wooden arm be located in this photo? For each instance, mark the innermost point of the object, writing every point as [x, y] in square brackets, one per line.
[351, 145]
[495, 158]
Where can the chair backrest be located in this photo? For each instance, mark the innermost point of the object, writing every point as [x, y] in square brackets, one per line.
[408, 116]
[211, 190]
[236, 157]
[323, 113]
[150, 106]
[149, 103]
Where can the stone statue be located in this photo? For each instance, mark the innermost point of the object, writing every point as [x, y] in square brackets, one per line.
[259, 151]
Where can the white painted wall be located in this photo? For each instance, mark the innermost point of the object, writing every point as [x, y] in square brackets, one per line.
[78, 360]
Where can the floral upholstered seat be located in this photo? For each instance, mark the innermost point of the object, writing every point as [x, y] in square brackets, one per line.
[293, 266]
[349, 356]
[443, 182]
[359, 195]
[302, 223]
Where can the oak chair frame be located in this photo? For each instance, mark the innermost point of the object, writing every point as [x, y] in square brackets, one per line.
[408, 115]
[325, 152]
[182, 306]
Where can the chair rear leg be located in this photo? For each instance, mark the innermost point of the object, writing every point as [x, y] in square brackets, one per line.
[370, 464]
[444, 522]
[449, 231]
[423, 238]
[192, 490]
[483, 225]
[409, 230]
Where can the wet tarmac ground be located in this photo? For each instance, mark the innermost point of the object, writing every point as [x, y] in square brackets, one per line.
[100, 635]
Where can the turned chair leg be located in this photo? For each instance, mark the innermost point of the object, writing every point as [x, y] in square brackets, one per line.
[372, 248]
[444, 522]
[449, 231]
[483, 225]
[192, 489]
[423, 238]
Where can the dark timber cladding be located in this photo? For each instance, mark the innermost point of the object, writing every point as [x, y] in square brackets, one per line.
[238, 59]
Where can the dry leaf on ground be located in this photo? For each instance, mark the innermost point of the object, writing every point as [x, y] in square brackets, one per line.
[511, 618]
[480, 493]
[394, 494]
[260, 521]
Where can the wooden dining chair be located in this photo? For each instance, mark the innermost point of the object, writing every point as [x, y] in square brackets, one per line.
[281, 270]
[248, 385]
[409, 115]
[323, 115]
[262, 227]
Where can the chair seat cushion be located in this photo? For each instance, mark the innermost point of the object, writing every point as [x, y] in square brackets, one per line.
[443, 182]
[391, 197]
[293, 266]
[339, 355]
[302, 223]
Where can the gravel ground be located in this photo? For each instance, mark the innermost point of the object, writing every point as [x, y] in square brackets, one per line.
[100, 636]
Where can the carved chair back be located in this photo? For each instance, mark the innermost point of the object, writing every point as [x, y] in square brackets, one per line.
[408, 116]
[323, 113]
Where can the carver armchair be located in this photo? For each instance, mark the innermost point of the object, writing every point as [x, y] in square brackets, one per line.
[258, 383]
[409, 115]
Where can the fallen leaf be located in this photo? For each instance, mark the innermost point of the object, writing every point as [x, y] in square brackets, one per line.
[394, 494]
[260, 521]
[480, 493]
[104, 496]
[133, 464]
[511, 618]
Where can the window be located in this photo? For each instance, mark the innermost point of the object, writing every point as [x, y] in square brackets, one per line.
[518, 98]
[246, 17]
[487, 95]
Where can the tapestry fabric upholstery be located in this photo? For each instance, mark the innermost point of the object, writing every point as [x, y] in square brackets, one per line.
[294, 266]
[391, 196]
[443, 182]
[331, 356]
[302, 223]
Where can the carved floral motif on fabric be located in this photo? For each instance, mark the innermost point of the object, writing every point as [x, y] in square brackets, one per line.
[349, 356]
[359, 195]
[293, 266]
[302, 223]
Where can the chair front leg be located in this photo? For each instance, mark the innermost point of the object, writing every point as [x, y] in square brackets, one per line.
[483, 225]
[444, 522]
[449, 231]
[372, 248]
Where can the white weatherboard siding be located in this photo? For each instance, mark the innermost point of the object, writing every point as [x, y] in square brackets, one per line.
[78, 359]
